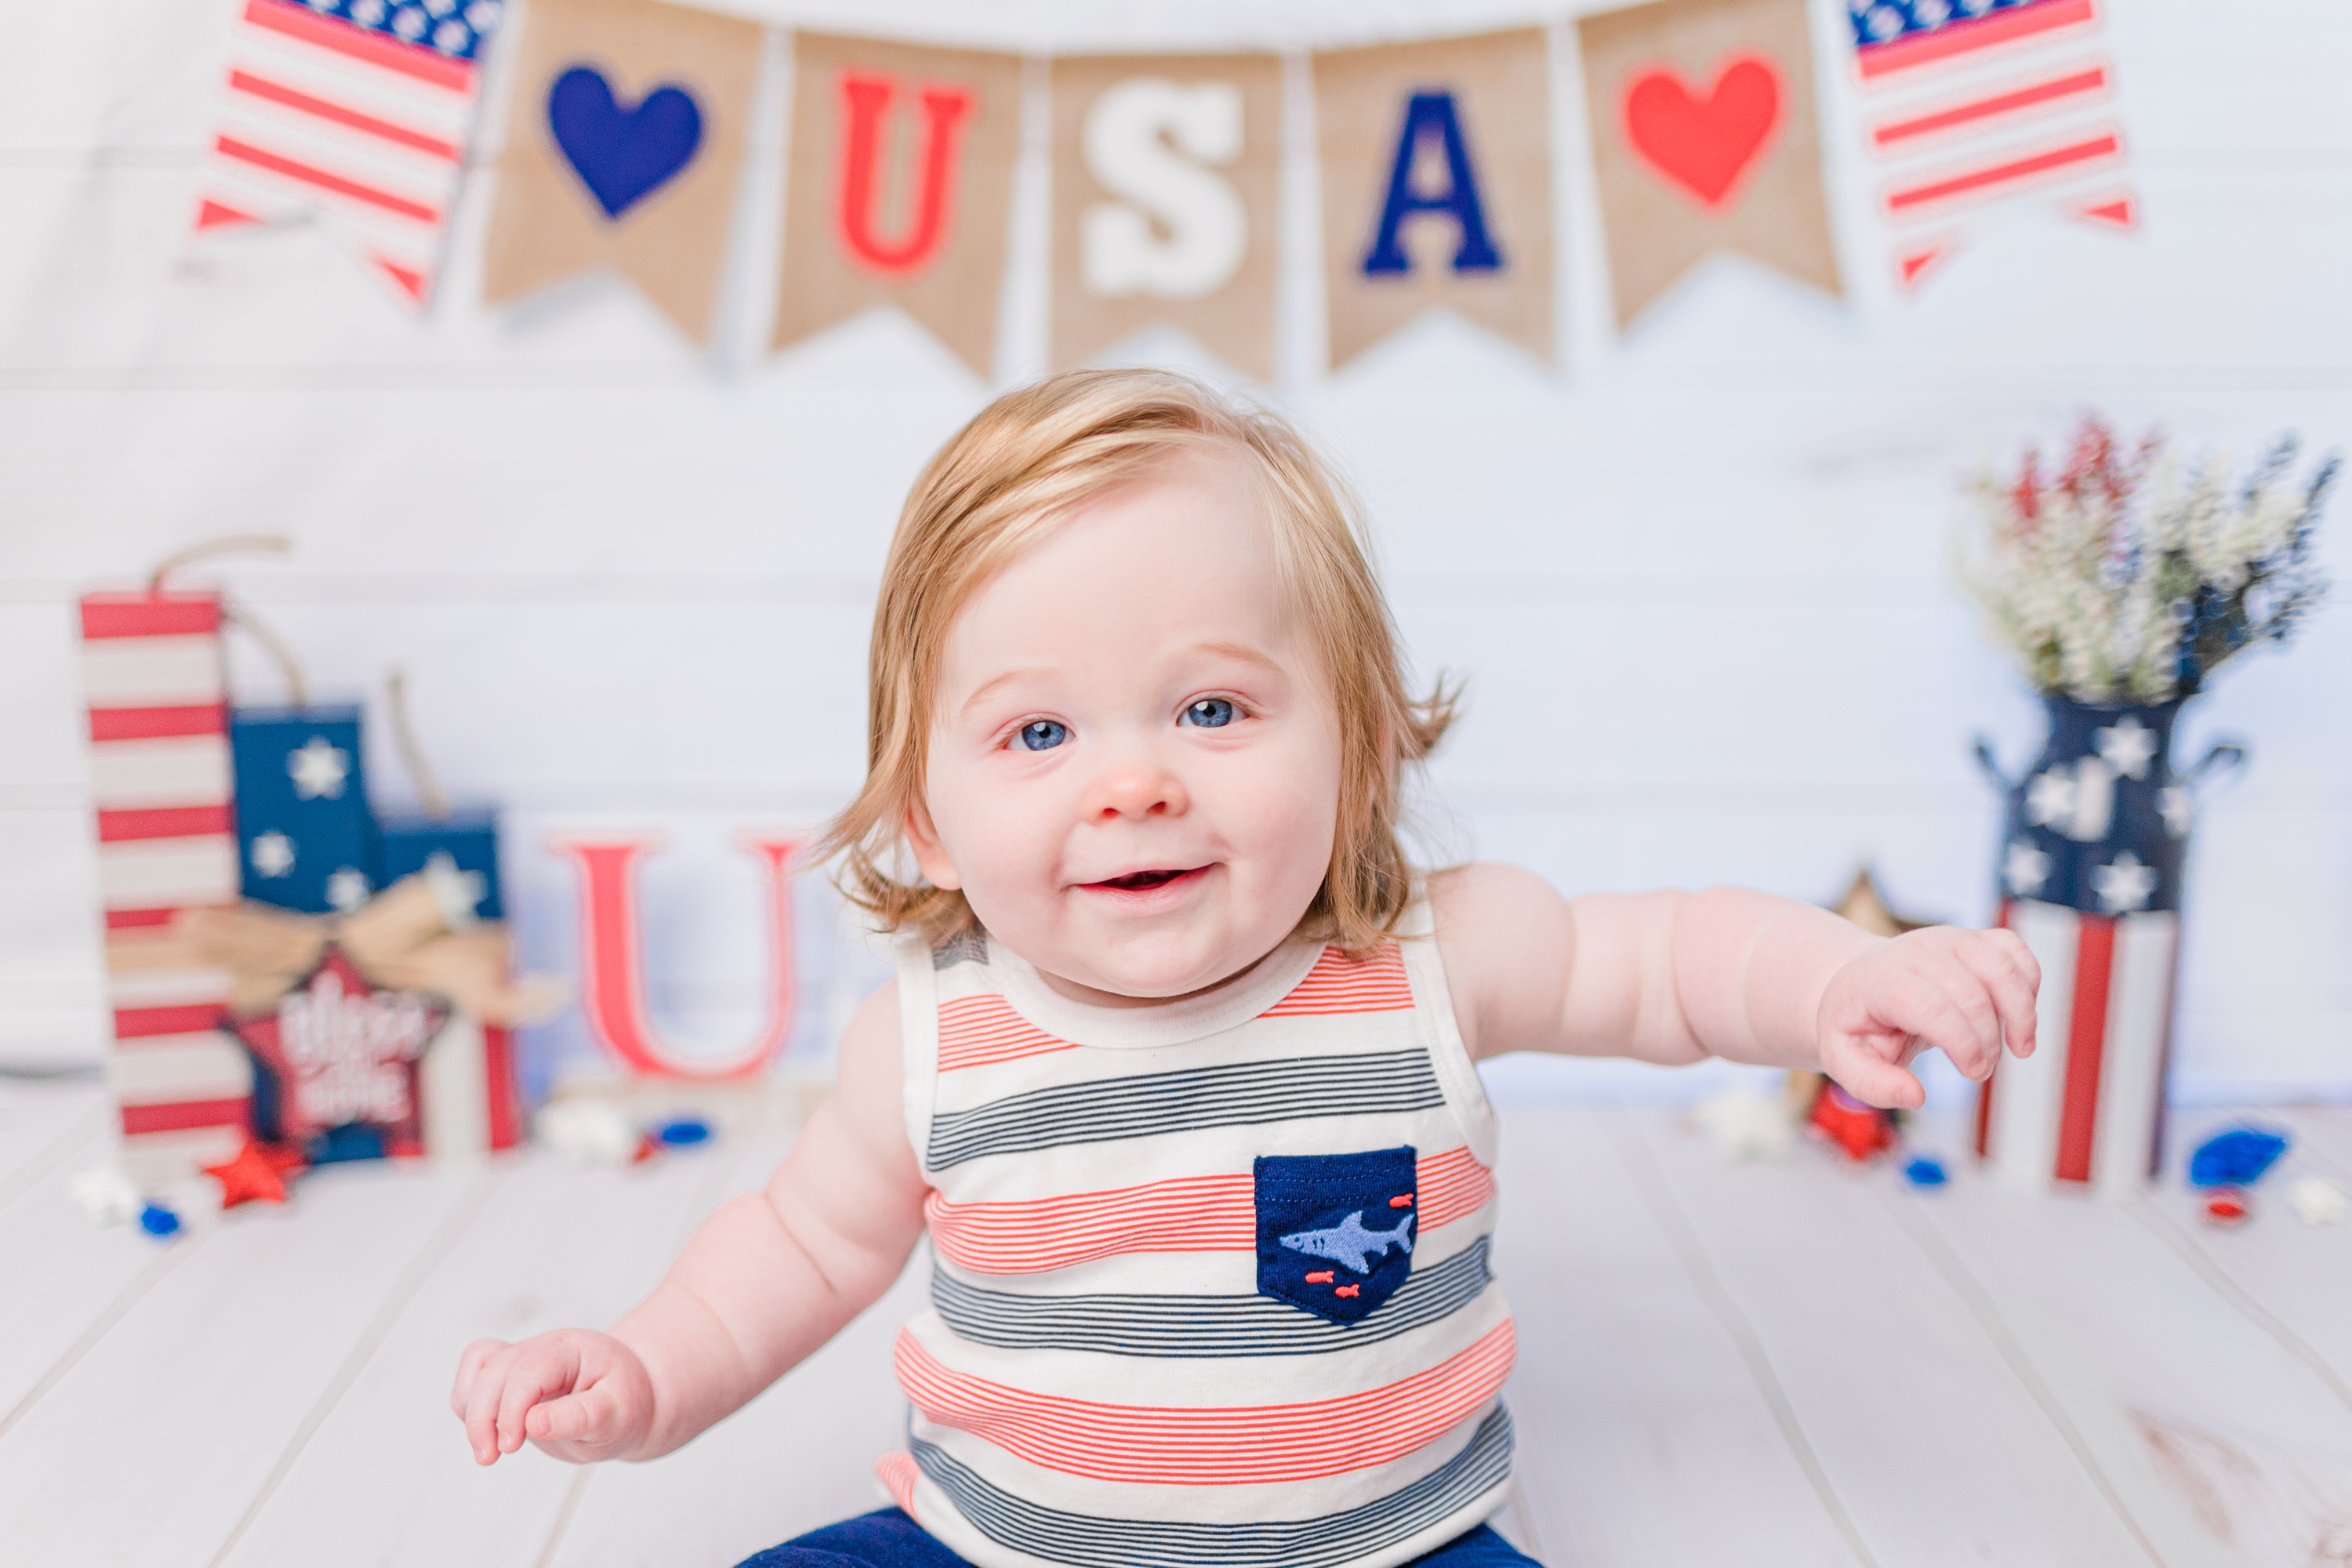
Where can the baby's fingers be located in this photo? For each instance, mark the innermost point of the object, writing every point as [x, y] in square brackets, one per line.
[592, 1416]
[2008, 972]
[1862, 1072]
[469, 1366]
[538, 1374]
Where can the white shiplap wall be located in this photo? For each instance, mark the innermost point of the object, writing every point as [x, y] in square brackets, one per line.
[1695, 577]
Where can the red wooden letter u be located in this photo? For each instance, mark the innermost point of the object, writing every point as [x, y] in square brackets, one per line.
[612, 967]
[865, 103]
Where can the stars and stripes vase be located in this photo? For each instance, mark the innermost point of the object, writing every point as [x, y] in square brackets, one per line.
[2090, 876]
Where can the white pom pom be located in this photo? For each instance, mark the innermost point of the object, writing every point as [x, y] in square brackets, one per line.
[105, 1195]
[2317, 1201]
[592, 1131]
[1745, 1125]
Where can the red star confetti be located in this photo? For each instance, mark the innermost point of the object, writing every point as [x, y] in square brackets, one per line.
[257, 1172]
[2225, 1207]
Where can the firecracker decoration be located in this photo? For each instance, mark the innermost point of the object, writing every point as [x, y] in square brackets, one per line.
[263, 990]
[160, 781]
[2120, 580]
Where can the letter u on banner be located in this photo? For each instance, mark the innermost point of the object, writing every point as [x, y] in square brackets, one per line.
[899, 188]
[1167, 190]
[1437, 187]
[611, 959]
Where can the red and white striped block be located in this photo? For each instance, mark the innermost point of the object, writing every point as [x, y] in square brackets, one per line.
[2087, 1107]
[162, 784]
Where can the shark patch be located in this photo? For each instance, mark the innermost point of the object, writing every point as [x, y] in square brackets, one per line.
[1335, 1232]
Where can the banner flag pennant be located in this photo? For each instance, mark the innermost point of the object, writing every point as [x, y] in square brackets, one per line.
[1437, 175]
[351, 114]
[1978, 105]
[624, 149]
[1167, 176]
[1705, 139]
[899, 188]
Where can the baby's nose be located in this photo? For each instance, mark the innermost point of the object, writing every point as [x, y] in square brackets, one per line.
[1138, 787]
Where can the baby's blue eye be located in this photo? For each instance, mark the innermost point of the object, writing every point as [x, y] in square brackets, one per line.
[1210, 712]
[1043, 734]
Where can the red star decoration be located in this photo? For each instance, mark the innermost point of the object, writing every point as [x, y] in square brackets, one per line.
[259, 1172]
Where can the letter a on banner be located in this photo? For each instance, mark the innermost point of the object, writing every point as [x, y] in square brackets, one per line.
[611, 959]
[625, 147]
[1704, 139]
[1167, 186]
[899, 188]
[1436, 187]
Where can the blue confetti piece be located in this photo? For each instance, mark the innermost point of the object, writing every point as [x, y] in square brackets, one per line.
[2236, 1158]
[158, 1221]
[1924, 1170]
[682, 1133]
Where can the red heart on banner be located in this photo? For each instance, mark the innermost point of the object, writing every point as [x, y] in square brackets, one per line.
[1704, 144]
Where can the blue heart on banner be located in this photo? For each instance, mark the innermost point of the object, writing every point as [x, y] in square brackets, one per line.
[622, 156]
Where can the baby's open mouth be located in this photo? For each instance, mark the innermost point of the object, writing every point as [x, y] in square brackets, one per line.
[1141, 881]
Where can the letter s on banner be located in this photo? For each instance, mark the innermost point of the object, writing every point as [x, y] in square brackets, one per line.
[612, 966]
[1147, 140]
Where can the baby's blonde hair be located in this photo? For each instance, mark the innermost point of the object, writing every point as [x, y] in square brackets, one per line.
[1024, 463]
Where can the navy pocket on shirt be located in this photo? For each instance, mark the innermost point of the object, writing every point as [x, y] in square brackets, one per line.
[1335, 1232]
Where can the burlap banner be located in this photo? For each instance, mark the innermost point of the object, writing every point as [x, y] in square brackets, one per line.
[624, 149]
[1167, 199]
[1705, 139]
[898, 189]
[1436, 187]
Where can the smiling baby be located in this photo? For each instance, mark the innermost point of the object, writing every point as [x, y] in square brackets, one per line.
[1178, 1073]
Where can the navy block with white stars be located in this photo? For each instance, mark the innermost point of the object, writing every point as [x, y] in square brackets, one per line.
[2099, 823]
[1884, 21]
[306, 839]
[457, 28]
[469, 839]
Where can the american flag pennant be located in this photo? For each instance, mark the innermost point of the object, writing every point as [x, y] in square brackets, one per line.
[1973, 104]
[354, 115]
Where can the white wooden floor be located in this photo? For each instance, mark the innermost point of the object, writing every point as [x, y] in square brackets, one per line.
[1795, 1364]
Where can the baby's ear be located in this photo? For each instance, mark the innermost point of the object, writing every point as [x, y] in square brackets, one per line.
[930, 855]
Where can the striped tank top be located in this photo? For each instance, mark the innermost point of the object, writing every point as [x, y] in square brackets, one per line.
[1211, 1282]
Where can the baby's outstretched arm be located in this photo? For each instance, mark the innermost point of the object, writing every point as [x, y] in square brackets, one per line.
[766, 1279]
[1673, 977]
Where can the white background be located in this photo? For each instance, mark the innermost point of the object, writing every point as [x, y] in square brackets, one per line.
[1695, 575]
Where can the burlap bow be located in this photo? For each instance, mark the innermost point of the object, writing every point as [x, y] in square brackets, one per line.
[419, 935]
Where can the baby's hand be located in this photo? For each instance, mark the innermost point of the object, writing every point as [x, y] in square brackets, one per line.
[578, 1395]
[1959, 991]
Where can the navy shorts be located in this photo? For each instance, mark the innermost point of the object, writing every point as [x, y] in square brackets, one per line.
[889, 1539]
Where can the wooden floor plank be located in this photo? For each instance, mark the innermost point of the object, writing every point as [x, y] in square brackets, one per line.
[2292, 1280]
[1644, 1435]
[146, 1454]
[2223, 1442]
[800, 1456]
[387, 1466]
[44, 1123]
[64, 1280]
[1926, 1432]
